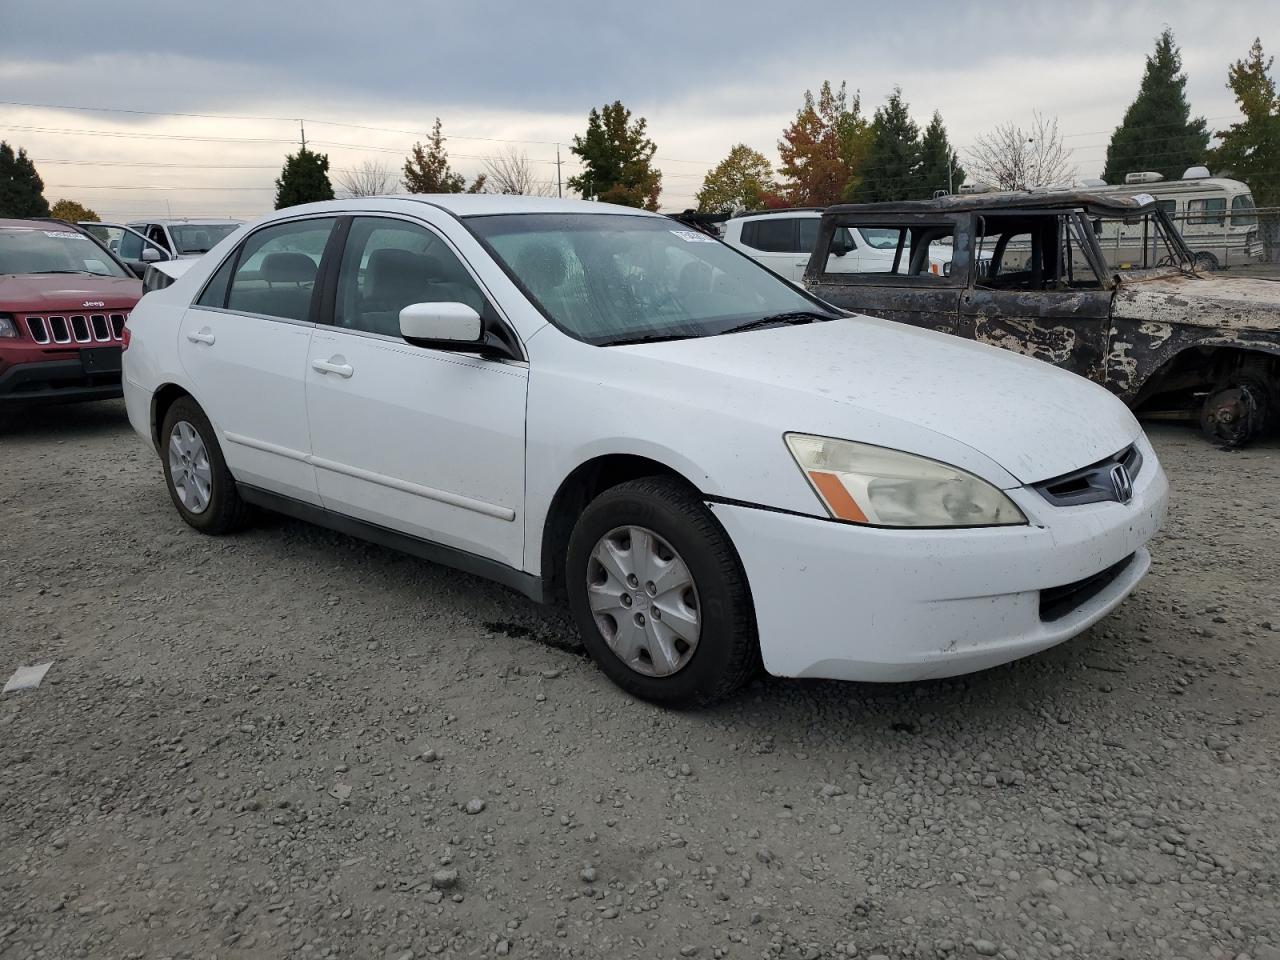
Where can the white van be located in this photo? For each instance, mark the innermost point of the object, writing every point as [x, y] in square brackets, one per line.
[1215, 215]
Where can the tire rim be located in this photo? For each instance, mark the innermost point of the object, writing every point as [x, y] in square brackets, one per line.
[644, 601]
[189, 468]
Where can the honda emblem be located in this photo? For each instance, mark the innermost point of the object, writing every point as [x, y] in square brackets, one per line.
[1121, 483]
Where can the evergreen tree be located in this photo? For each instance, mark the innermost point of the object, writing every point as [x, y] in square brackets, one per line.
[939, 164]
[617, 159]
[1157, 132]
[1250, 151]
[21, 189]
[427, 169]
[741, 181]
[892, 169]
[823, 149]
[304, 179]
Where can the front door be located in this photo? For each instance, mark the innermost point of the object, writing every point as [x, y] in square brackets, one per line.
[1041, 295]
[244, 346]
[425, 442]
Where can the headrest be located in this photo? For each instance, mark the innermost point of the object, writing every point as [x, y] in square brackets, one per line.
[288, 268]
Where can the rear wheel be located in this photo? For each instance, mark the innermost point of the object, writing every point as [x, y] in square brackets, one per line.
[659, 595]
[199, 483]
[1235, 416]
[1204, 260]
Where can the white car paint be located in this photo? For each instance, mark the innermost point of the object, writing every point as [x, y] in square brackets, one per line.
[469, 452]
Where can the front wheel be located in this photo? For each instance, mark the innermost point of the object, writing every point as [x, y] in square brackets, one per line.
[659, 595]
[199, 482]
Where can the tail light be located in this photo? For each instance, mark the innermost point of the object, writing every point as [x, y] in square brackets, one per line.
[124, 337]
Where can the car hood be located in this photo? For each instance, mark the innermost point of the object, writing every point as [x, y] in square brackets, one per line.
[47, 292]
[1212, 300]
[1032, 419]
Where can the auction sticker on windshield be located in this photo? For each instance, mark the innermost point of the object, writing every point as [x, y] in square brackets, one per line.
[693, 236]
[65, 235]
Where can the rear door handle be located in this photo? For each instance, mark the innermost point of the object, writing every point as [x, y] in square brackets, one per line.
[202, 336]
[344, 370]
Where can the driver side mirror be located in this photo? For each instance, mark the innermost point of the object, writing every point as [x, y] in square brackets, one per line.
[152, 255]
[441, 324]
[840, 247]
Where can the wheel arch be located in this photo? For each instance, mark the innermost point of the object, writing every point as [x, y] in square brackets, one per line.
[1210, 363]
[582, 485]
[162, 399]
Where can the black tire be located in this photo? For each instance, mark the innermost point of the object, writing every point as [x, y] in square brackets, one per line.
[1204, 260]
[727, 653]
[226, 512]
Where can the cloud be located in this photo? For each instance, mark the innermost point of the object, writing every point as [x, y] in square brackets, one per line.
[705, 75]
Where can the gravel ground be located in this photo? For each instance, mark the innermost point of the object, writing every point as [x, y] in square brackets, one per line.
[293, 744]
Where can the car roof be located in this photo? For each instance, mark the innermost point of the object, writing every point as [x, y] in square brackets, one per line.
[38, 223]
[193, 221]
[1004, 200]
[461, 205]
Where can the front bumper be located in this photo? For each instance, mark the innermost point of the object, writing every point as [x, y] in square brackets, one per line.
[857, 603]
[55, 381]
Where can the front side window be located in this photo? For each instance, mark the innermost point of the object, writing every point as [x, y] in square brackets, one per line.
[1243, 211]
[130, 245]
[603, 278]
[1207, 211]
[53, 249]
[388, 265]
[277, 270]
[1041, 252]
[156, 236]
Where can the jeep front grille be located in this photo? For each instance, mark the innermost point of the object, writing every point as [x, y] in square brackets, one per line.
[74, 328]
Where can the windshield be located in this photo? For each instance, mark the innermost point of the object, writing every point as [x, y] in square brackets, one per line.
[40, 249]
[199, 237]
[880, 238]
[604, 278]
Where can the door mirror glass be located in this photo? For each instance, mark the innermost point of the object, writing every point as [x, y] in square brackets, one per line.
[451, 322]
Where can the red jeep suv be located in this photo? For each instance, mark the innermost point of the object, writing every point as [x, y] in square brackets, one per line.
[64, 299]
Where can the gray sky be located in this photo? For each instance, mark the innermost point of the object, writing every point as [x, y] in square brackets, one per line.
[706, 75]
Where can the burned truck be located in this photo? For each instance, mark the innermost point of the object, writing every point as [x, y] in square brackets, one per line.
[1026, 272]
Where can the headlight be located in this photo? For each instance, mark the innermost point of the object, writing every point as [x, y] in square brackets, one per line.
[8, 329]
[888, 488]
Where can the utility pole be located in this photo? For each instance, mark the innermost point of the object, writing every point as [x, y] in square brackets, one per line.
[559, 187]
[302, 128]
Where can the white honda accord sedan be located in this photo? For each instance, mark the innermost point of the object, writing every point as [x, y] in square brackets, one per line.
[593, 404]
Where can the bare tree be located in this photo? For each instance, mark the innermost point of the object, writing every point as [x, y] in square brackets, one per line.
[371, 179]
[1012, 158]
[511, 172]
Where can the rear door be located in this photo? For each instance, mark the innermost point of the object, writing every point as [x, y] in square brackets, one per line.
[898, 280]
[244, 346]
[775, 242]
[1042, 294]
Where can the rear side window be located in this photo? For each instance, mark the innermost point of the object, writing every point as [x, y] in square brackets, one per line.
[771, 235]
[277, 270]
[920, 252]
[1208, 210]
[215, 291]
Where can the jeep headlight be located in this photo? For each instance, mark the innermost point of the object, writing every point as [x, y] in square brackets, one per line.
[8, 329]
[862, 483]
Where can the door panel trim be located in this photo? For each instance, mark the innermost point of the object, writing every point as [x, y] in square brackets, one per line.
[287, 452]
[526, 583]
[494, 510]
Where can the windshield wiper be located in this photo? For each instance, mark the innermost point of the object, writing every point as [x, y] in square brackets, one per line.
[780, 319]
[646, 338]
[43, 272]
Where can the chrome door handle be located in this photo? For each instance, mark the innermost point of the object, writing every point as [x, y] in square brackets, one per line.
[202, 336]
[344, 370]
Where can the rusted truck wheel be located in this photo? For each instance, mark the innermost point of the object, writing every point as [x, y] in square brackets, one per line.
[1234, 416]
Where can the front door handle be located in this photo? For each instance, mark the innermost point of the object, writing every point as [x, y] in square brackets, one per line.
[202, 336]
[344, 370]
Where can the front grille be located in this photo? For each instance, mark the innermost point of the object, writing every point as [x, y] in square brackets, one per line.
[1058, 602]
[1091, 484]
[77, 328]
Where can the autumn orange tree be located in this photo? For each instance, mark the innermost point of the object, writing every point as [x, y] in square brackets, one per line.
[823, 149]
